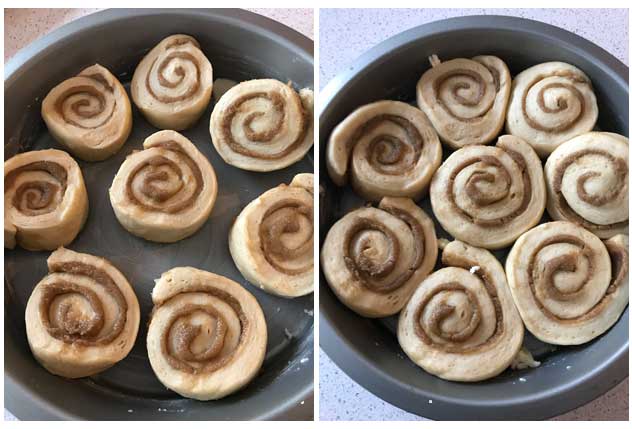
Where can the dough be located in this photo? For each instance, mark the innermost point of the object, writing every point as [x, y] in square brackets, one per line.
[89, 114]
[386, 148]
[172, 84]
[550, 104]
[465, 99]
[587, 181]
[165, 192]
[83, 317]
[560, 276]
[488, 196]
[207, 335]
[263, 125]
[461, 325]
[45, 200]
[374, 258]
[272, 239]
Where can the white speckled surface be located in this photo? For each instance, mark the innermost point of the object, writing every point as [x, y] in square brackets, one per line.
[347, 33]
[23, 26]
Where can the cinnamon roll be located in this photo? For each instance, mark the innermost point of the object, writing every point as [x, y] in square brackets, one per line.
[263, 125]
[465, 99]
[488, 196]
[207, 335]
[83, 317]
[393, 149]
[461, 323]
[172, 84]
[89, 114]
[561, 278]
[165, 192]
[272, 239]
[45, 200]
[551, 103]
[587, 182]
[374, 258]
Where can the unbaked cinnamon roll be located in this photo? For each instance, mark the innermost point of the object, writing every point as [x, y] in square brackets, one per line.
[488, 196]
[374, 258]
[561, 278]
[172, 84]
[551, 103]
[263, 125]
[587, 181]
[272, 239]
[461, 323]
[386, 148]
[45, 200]
[165, 192]
[89, 114]
[465, 99]
[207, 335]
[83, 317]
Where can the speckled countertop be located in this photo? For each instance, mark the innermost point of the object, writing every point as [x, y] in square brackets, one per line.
[23, 26]
[347, 33]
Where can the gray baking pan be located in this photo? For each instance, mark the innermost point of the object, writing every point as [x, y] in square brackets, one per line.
[240, 45]
[367, 350]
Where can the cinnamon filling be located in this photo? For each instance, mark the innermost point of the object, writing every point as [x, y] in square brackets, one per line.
[154, 173]
[278, 106]
[620, 264]
[620, 169]
[37, 197]
[179, 71]
[179, 354]
[454, 90]
[72, 326]
[82, 107]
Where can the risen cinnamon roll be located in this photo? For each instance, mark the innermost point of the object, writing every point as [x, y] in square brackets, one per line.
[587, 181]
[263, 125]
[89, 114]
[488, 196]
[550, 104]
[45, 200]
[165, 192]
[374, 258]
[83, 317]
[461, 323]
[207, 335]
[272, 239]
[465, 99]
[560, 277]
[172, 84]
[387, 148]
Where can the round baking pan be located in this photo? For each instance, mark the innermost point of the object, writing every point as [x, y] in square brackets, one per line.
[367, 350]
[240, 45]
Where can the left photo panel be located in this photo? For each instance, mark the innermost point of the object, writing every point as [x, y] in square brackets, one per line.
[158, 214]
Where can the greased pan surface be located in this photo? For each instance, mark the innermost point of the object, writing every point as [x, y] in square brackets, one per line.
[367, 350]
[240, 45]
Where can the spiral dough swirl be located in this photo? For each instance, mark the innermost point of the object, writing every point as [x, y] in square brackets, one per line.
[388, 148]
[373, 258]
[172, 84]
[587, 181]
[488, 196]
[89, 114]
[82, 317]
[272, 239]
[561, 279]
[165, 192]
[461, 323]
[207, 335]
[550, 104]
[465, 99]
[263, 125]
[45, 200]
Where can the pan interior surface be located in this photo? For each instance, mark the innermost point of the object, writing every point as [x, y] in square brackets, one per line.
[240, 46]
[368, 350]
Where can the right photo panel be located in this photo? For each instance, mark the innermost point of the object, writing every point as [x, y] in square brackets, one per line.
[473, 214]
